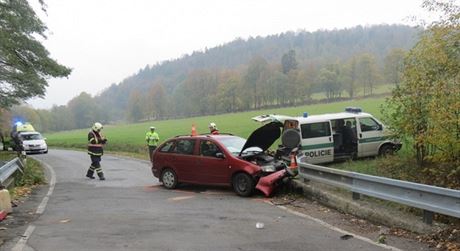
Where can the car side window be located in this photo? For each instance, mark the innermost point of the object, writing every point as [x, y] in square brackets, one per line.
[315, 130]
[209, 149]
[184, 146]
[368, 124]
[167, 146]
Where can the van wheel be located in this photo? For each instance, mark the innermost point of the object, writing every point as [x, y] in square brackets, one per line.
[243, 184]
[169, 178]
[386, 150]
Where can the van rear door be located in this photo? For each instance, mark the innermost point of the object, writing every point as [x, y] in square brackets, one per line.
[317, 142]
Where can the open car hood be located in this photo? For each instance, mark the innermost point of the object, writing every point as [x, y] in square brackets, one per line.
[264, 136]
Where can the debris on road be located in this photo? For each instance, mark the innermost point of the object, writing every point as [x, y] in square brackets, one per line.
[259, 225]
[65, 221]
[346, 237]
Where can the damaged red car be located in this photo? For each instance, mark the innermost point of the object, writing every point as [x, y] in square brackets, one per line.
[225, 160]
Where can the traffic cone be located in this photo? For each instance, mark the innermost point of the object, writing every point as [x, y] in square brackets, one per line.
[193, 130]
[293, 164]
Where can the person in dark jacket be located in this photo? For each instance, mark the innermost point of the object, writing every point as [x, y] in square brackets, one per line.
[96, 142]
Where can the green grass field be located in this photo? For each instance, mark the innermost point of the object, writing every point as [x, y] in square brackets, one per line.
[130, 137]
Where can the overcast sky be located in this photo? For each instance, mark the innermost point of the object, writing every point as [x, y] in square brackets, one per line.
[105, 41]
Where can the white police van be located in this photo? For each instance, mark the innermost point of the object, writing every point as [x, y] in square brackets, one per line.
[337, 136]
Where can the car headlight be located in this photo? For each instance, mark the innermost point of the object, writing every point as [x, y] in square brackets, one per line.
[268, 168]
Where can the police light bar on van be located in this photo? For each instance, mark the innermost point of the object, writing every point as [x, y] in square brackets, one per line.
[353, 109]
[305, 114]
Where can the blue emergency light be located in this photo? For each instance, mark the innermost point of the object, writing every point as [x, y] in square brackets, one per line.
[353, 109]
[305, 114]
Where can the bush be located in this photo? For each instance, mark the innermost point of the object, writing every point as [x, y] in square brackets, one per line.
[33, 174]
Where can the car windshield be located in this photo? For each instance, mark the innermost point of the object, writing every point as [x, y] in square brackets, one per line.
[235, 144]
[31, 136]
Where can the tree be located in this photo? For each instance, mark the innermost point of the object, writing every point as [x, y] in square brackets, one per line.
[158, 100]
[328, 79]
[289, 62]
[255, 76]
[367, 73]
[135, 107]
[84, 110]
[394, 66]
[25, 64]
[227, 91]
[426, 106]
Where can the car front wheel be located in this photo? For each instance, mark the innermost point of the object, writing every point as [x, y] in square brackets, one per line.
[386, 150]
[243, 184]
[169, 178]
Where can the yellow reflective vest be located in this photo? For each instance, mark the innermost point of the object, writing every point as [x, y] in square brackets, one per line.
[152, 138]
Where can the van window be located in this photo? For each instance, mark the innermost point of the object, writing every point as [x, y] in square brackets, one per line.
[315, 130]
[368, 124]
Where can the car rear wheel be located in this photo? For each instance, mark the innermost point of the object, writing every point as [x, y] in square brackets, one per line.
[169, 178]
[243, 184]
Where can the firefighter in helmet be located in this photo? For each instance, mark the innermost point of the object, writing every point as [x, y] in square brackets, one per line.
[213, 128]
[96, 142]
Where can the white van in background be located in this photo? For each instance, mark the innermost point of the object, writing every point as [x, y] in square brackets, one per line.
[337, 136]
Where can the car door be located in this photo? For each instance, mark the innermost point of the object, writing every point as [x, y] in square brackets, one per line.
[183, 160]
[369, 136]
[213, 167]
[317, 142]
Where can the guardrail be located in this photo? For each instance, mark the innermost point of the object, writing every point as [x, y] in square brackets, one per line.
[7, 171]
[429, 198]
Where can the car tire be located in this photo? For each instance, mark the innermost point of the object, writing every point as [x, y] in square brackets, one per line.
[386, 149]
[243, 184]
[169, 178]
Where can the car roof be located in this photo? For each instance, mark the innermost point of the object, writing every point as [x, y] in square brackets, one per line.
[205, 136]
[332, 116]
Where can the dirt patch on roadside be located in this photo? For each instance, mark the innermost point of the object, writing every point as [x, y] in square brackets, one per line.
[15, 224]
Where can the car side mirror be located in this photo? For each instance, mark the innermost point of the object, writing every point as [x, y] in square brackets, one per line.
[220, 155]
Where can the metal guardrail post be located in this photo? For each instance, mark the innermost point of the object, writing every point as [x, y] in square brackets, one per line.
[428, 217]
[356, 196]
[429, 198]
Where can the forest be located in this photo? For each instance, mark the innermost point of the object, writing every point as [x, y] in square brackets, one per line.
[292, 68]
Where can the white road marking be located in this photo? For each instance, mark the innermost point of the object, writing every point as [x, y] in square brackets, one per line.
[22, 242]
[41, 208]
[327, 225]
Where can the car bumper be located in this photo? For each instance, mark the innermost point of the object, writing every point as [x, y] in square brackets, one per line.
[155, 172]
[36, 150]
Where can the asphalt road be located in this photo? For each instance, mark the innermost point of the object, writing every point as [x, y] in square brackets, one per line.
[131, 211]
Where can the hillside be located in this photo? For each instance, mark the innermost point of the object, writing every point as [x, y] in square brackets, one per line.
[312, 49]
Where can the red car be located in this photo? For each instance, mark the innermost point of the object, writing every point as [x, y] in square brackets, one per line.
[224, 159]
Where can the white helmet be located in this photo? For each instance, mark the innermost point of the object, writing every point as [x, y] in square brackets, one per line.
[212, 125]
[97, 126]
[152, 128]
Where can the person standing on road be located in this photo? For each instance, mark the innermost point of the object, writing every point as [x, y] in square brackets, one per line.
[152, 139]
[213, 128]
[96, 141]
